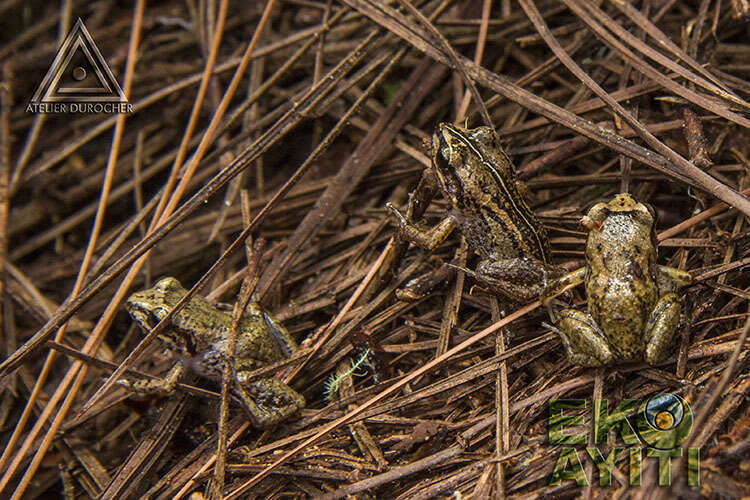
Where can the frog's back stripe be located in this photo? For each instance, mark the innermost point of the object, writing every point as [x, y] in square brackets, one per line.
[519, 205]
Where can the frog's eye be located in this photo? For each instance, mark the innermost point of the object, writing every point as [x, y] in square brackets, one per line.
[168, 283]
[486, 136]
[160, 311]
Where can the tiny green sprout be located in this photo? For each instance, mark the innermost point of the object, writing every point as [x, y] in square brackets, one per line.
[333, 384]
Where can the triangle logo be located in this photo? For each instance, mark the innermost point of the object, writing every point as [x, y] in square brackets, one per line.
[79, 73]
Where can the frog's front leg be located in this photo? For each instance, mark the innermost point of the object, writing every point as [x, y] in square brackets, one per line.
[520, 279]
[661, 328]
[164, 385]
[584, 342]
[428, 239]
[268, 401]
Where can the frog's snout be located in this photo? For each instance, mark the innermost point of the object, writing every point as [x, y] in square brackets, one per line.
[134, 303]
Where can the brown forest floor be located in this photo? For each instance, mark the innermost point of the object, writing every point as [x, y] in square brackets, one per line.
[317, 114]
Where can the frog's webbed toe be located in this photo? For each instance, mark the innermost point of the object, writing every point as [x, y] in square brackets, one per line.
[584, 343]
[268, 401]
[661, 328]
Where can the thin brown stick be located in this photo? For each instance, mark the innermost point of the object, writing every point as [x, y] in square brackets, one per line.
[112, 160]
[478, 53]
[502, 404]
[253, 254]
[457, 65]
[167, 194]
[6, 104]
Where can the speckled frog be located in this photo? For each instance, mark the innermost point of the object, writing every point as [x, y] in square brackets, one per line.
[198, 337]
[488, 207]
[633, 312]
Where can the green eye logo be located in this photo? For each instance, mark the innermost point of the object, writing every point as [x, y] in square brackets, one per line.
[656, 427]
[665, 421]
[664, 411]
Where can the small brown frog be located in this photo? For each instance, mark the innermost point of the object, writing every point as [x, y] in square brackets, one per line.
[198, 337]
[488, 206]
[633, 312]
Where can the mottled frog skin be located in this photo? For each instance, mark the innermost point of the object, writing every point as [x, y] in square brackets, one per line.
[198, 336]
[632, 311]
[488, 207]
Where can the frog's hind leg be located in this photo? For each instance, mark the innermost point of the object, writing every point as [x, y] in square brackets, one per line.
[163, 385]
[521, 279]
[268, 401]
[584, 343]
[661, 328]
